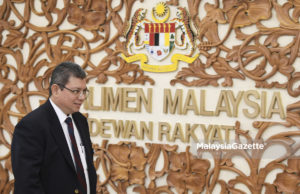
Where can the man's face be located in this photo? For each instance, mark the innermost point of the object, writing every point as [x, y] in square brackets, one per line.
[67, 100]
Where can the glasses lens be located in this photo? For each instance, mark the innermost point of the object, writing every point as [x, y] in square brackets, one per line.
[86, 92]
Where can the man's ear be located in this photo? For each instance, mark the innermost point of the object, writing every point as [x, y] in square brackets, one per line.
[55, 89]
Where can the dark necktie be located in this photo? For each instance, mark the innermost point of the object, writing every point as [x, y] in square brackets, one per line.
[78, 164]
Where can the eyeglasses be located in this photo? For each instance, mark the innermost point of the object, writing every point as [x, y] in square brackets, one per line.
[77, 92]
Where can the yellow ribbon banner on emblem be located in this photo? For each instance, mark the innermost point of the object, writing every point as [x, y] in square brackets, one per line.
[159, 68]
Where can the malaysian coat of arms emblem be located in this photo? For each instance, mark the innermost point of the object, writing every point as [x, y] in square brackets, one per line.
[159, 38]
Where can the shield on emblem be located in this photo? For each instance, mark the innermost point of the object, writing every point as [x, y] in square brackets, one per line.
[159, 39]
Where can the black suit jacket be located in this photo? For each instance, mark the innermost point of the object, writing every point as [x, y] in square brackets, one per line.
[41, 160]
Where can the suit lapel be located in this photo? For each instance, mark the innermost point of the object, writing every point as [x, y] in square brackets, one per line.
[59, 135]
[81, 128]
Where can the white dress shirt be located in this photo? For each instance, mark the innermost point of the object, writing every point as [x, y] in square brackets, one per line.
[62, 117]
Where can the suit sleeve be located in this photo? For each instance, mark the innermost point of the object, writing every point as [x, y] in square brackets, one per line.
[27, 156]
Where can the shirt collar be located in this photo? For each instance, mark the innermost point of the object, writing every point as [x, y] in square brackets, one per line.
[60, 114]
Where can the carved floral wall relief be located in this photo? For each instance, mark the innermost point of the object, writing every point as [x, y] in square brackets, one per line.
[35, 36]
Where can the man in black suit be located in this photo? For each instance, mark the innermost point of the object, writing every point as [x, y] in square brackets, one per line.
[51, 150]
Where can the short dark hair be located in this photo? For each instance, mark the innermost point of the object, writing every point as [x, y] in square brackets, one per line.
[63, 72]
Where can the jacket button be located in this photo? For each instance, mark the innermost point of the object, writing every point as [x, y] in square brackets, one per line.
[76, 191]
